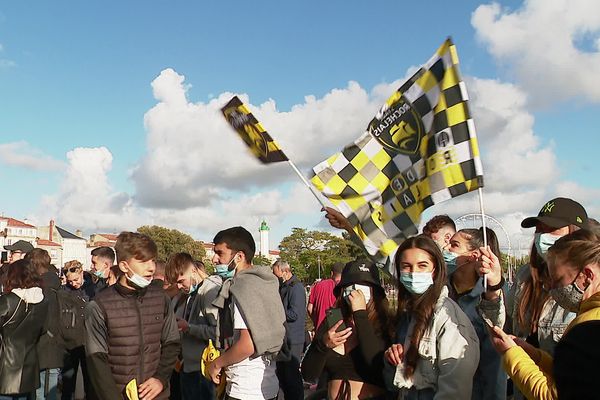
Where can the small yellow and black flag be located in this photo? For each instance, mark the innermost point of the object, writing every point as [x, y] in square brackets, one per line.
[252, 133]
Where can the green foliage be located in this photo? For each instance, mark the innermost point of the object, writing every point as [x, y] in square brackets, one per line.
[170, 241]
[304, 250]
[261, 260]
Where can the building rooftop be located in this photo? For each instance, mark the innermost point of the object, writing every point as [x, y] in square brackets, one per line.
[67, 235]
[101, 244]
[44, 242]
[109, 236]
[16, 223]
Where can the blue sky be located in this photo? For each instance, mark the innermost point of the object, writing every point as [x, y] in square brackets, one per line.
[79, 74]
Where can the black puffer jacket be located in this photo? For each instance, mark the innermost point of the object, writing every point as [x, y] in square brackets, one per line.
[22, 317]
[51, 348]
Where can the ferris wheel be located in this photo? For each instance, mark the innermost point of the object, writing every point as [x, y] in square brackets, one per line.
[474, 221]
[468, 221]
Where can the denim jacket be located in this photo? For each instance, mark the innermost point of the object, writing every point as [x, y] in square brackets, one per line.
[553, 319]
[449, 355]
[489, 381]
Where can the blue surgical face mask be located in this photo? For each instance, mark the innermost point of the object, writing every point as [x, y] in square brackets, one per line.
[416, 282]
[450, 259]
[99, 274]
[223, 270]
[543, 241]
[193, 288]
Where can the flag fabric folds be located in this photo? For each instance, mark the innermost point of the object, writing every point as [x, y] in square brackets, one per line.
[419, 150]
[251, 131]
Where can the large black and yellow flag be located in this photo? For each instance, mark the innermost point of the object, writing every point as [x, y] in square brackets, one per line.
[419, 150]
[252, 133]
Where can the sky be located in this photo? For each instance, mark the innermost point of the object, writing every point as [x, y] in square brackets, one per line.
[110, 110]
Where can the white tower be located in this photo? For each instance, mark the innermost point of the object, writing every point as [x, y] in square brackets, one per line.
[264, 239]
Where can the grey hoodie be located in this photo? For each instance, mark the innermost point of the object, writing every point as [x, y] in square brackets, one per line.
[256, 294]
[203, 323]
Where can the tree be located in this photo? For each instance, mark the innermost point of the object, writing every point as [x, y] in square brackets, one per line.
[170, 241]
[261, 260]
[313, 253]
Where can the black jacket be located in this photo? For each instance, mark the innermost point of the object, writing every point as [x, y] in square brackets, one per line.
[293, 297]
[21, 325]
[51, 348]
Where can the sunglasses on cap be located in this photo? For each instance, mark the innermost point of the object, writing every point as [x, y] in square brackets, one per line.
[73, 269]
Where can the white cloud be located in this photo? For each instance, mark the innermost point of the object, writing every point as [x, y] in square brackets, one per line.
[193, 153]
[22, 154]
[520, 173]
[197, 176]
[86, 199]
[539, 42]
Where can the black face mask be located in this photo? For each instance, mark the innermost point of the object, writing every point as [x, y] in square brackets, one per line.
[280, 279]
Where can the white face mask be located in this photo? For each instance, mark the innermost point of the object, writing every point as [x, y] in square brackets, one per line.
[543, 241]
[366, 291]
[137, 280]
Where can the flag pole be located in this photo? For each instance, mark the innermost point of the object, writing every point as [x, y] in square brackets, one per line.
[308, 185]
[485, 242]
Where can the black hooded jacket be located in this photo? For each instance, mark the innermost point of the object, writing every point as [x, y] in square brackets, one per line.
[22, 319]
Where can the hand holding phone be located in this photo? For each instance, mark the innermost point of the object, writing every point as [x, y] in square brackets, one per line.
[337, 332]
[332, 317]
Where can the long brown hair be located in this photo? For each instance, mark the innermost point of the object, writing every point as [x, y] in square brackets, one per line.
[420, 308]
[533, 295]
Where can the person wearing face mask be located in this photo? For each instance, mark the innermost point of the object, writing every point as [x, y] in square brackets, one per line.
[436, 350]
[198, 322]
[293, 298]
[352, 354]
[533, 314]
[102, 259]
[251, 324]
[574, 266]
[470, 260]
[131, 329]
[440, 228]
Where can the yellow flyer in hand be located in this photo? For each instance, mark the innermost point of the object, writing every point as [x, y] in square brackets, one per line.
[131, 390]
[209, 355]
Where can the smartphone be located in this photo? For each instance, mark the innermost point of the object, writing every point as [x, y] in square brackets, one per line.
[332, 317]
[485, 319]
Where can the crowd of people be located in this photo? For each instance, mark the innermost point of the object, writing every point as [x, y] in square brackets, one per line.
[137, 327]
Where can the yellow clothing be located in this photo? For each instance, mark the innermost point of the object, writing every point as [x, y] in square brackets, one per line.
[534, 378]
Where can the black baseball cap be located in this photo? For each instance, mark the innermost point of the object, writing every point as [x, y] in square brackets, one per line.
[20, 245]
[557, 213]
[360, 272]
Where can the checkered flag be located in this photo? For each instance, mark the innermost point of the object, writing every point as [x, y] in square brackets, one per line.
[419, 150]
[258, 140]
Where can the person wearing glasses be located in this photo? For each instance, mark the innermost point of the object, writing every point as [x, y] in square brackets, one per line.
[18, 250]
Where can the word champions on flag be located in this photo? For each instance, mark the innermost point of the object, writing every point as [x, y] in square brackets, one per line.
[252, 133]
[419, 150]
